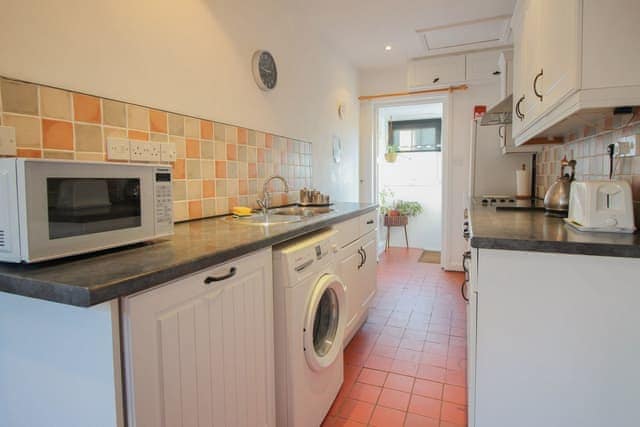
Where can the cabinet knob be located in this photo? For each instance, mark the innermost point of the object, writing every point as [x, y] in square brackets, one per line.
[535, 84]
[211, 279]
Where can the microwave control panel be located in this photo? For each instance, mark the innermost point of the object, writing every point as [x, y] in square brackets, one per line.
[164, 200]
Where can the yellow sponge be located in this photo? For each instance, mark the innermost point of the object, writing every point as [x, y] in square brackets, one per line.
[241, 211]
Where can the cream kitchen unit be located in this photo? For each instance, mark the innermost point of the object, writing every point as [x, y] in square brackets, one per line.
[357, 258]
[572, 58]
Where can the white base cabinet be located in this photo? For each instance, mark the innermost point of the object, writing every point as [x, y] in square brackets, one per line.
[199, 350]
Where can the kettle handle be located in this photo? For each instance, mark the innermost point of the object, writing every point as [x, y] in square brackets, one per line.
[572, 165]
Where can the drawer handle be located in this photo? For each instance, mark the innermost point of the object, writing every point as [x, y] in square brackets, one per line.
[370, 222]
[535, 84]
[230, 274]
[303, 266]
[500, 133]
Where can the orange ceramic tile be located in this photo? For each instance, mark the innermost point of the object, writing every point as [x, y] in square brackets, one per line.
[386, 417]
[427, 388]
[268, 140]
[455, 394]
[434, 359]
[252, 170]
[25, 152]
[415, 420]
[433, 373]
[179, 170]
[195, 209]
[138, 134]
[242, 136]
[232, 152]
[453, 413]
[373, 377]
[221, 169]
[356, 410]
[458, 378]
[404, 367]
[158, 121]
[193, 148]
[365, 392]
[379, 363]
[394, 399]
[399, 382]
[425, 406]
[384, 350]
[86, 108]
[208, 189]
[57, 134]
[206, 129]
[408, 355]
[243, 187]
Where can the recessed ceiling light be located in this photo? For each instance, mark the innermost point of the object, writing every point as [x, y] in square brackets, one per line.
[387, 47]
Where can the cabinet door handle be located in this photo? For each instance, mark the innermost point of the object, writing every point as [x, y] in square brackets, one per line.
[370, 222]
[360, 252]
[436, 80]
[500, 134]
[518, 112]
[230, 274]
[535, 84]
[365, 257]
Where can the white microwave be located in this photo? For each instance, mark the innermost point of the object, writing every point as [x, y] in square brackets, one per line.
[56, 208]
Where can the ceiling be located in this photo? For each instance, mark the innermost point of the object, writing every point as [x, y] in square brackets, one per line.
[360, 29]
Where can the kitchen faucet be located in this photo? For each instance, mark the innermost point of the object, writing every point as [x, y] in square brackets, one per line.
[265, 202]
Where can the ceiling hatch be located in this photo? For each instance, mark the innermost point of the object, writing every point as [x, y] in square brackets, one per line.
[482, 33]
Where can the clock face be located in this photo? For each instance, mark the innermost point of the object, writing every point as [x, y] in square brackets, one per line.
[264, 70]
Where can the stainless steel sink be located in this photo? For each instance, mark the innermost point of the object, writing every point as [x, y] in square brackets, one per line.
[264, 220]
[301, 211]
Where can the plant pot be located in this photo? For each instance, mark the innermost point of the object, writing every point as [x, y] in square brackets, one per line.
[391, 157]
[396, 220]
[394, 213]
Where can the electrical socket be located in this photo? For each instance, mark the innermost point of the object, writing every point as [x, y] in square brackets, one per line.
[626, 146]
[168, 152]
[142, 151]
[7, 141]
[155, 151]
[118, 149]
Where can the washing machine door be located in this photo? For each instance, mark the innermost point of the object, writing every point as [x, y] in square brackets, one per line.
[325, 322]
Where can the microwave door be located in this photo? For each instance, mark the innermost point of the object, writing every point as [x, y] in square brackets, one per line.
[82, 208]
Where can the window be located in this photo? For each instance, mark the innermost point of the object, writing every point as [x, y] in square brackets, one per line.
[415, 135]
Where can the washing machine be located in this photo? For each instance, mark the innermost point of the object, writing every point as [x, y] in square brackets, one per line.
[310, 319]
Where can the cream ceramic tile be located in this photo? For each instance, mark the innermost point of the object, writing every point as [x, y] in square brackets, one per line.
[18, 97]
[251, 138]
[208, 207]
[159, 137]
[242, 153]
[232, 169]
[191, 127]
[222, 205]
[137, 117]
[207, 169]
[221, 187]
[231, 134]
[232, 187]
[242, 170]
[114, 113]
[60, 155]
[252, 155]
[179, 190]
[219, 131]
[27, 130]
[220, 150]
[88, 138]
[90, 157]
[176, 125]
[206, 149]
[181, 150]
[55, 103]
[193, 169]
[194, 189]
[180, 211]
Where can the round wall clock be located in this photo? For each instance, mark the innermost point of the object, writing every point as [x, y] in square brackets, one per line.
[264, 70]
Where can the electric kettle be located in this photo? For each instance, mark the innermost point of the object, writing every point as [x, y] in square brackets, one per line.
[556, 201]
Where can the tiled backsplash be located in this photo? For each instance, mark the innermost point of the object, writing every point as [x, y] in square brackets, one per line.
[589, 149]
[218, 166]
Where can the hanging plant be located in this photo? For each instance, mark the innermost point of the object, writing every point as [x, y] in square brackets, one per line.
[391, 155]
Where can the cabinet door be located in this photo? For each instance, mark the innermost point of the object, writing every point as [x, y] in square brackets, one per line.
[350, 259]
[559, 22]
[519, 67]
[200, 352]
[367, 274]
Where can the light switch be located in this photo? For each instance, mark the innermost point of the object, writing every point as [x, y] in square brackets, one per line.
[7, 141]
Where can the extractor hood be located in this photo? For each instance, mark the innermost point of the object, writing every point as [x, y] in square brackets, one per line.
[499, 114]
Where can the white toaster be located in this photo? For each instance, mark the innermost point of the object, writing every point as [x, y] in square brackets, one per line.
[601, 206]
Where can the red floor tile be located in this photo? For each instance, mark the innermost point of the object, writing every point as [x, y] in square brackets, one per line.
[455, 394]
[373, 377]
[378, 362]
[399, 382]
[387, 417]
[365, 392]
[404, 367]
[456, 414]
[425, 406]
[428, 388]
[415, 420]
[433, 373]
[394, 399]
[356, 410]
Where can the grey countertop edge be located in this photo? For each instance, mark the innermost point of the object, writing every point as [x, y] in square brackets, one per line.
[571, 248]
[87, 297]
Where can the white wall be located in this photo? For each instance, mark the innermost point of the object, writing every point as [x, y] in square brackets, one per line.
[193, 57]
[461, 104]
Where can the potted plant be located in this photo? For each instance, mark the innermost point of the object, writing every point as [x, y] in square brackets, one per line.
[409, 208]
[392, 154]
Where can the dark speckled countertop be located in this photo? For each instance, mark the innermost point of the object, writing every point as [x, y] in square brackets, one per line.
[94, 278]
[531, 230]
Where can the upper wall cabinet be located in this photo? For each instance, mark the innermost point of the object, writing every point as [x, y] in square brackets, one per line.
[452, 69]
[569, 60]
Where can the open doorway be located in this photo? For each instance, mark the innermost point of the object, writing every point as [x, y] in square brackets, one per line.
[409, 147]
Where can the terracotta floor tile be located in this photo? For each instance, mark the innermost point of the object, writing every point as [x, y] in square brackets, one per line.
[378, 362]
[388, 340]
[404, 367]
[433, 373]
[341, 422]
[408, 355]
[455, 394]
[458, 378]
[399, 382]
[453, 413]
[373, 377]
[365, 392]
[384, 350]
[433, 359]
[356, 410]
[415, 420]
[386, 417]
[425, 406]
[394, 399]
[427, 388]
